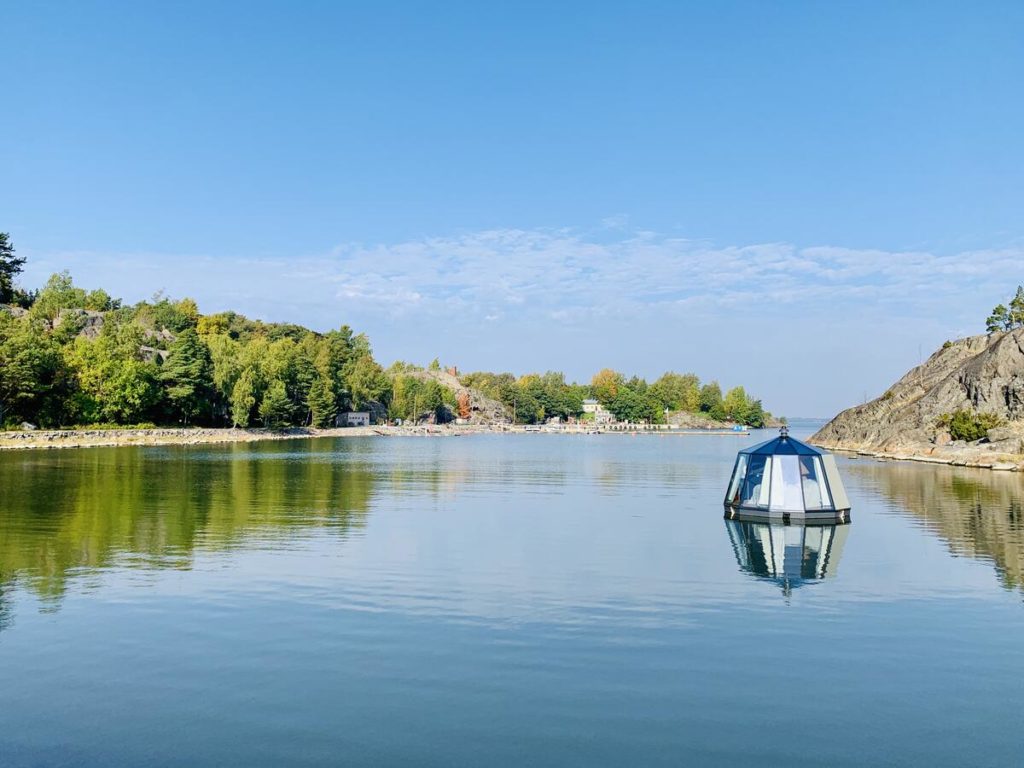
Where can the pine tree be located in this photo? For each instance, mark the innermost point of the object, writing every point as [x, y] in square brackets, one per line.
[1017, 309]
[322, 403]
[999, 320]
[275, 407]
[10, 265]
[188, 376]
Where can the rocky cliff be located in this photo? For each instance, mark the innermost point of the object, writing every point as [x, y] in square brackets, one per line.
[980, 375]
[483, 410]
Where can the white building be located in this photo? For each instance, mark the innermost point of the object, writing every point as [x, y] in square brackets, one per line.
[354, 419]
[601, 414]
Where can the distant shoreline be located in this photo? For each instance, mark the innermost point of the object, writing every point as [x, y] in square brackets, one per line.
[50, 439]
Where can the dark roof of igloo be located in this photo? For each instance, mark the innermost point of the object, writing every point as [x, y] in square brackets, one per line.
[783, 445]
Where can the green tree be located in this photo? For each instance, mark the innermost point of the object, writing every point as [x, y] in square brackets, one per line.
[188, 377]
[100, 301]
[114, 383]
[321, 403]
[225, 357]
[677, 392]
[35, 383]
[1017, 308]
[735, 404]
[630, 404]
[60, 292]
[606, 384]
[275, 406]
[711, 401]
[999, 320]
[243, 398]
[10, 267]
[366, 382]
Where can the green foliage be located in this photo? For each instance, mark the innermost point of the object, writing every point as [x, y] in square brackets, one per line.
[711, 401]
[1005, 318]
[968, 425]
[188, 377]
[34, 378]
[366, 382]
[678, 391]
[631, 403]
[534, 397]
[59, 293]
[100, 301]
[243, 398]
[161, 361]
[275, 406]
[162, 314]
[605, 385]
[321, 403]
[740, 408]
[114, 384]
[10, 267]
[414, 399]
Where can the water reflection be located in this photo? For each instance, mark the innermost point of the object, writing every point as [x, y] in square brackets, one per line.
[66, 514]
[978, 512]
[790, 555]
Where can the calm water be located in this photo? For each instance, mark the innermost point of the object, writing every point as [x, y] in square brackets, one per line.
[497, 600]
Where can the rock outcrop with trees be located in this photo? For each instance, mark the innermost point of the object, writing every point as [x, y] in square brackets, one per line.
[965, 403]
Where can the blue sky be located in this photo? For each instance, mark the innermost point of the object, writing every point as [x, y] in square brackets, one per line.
[801, 197]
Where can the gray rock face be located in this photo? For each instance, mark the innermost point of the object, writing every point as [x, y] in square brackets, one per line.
[88, 321]
[483, 409]
[984, 374]
[688, 420]
[12, 310]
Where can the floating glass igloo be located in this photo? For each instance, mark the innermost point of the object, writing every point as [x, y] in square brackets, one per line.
[784, 479]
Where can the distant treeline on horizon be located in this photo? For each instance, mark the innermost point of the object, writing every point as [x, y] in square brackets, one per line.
[71, 357]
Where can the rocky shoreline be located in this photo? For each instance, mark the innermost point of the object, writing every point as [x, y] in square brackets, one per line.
[95, 438]
[99, 438]
[977, 460]
[912, 421]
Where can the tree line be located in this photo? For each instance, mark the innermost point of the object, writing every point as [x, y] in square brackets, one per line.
[74, 357]
[71, 357]
[161, 362]
[534, 398]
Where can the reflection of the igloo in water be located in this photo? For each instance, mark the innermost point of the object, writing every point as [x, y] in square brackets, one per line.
[791, 555]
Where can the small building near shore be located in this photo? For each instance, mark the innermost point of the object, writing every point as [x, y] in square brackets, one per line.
[601, 414]
[354, 419]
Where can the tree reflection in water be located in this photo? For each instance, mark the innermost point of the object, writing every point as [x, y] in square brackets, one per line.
[65, 514]
[978, 513]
